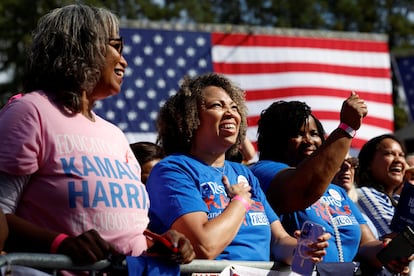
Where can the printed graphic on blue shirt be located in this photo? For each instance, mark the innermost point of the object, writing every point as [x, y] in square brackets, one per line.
[337, 206]
[215, 197]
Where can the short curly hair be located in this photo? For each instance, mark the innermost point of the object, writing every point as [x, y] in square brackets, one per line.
[178, 118]
[68, 52]
[278, 123]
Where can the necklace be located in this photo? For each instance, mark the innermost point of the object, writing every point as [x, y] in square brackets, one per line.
[336, 232]
[221, 170]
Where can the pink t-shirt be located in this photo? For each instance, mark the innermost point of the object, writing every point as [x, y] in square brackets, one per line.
[83, 173]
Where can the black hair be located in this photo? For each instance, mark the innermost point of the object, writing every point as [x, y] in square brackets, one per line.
[147, 151]
[364, 177]
[278, 123]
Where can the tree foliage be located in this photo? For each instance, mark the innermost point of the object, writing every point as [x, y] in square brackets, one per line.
[392, 17]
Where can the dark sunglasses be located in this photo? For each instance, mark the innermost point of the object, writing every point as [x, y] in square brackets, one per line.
[117, 43]
[352, 161]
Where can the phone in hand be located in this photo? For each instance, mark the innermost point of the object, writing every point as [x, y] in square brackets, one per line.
[401, 246]
[302, 262]
[161, 246]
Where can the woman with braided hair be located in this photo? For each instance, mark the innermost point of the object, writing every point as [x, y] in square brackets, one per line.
[295, 169]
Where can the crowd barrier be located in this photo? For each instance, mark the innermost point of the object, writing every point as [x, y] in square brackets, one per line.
[217, 266]
[53, 263]
[50, 262]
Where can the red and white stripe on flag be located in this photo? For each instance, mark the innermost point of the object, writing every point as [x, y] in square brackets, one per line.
[321, 71]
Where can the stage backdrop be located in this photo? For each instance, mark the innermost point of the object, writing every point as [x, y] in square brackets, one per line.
[317, 67]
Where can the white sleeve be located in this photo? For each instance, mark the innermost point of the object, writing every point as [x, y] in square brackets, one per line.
[11, 188]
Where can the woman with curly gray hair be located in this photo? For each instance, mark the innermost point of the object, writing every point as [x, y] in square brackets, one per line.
[216, 203]
[70, 183]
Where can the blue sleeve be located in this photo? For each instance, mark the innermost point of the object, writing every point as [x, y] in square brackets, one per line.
[266, 170]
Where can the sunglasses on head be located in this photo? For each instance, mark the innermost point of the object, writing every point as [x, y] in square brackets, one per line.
[117, 43]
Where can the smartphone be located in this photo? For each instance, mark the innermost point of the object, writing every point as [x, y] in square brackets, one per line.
[399, 247]
[302, 263]
[161, 246]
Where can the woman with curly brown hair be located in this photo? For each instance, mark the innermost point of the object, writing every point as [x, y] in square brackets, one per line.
[216, 203]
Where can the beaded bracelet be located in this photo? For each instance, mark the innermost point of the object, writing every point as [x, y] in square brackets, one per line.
[57, 241]
[242, 200]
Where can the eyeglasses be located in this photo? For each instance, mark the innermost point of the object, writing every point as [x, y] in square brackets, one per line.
[117, 43]
[351, 161]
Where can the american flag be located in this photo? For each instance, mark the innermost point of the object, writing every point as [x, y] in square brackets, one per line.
[320, 70]
[405, 71]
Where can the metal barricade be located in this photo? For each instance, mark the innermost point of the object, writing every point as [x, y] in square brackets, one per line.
[217, 266]
[53, 263]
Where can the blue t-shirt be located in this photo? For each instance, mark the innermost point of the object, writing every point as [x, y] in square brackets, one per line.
[180, 184]
[343, 212]
[266, 170]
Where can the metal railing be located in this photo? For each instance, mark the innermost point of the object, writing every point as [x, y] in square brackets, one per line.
[53, 263]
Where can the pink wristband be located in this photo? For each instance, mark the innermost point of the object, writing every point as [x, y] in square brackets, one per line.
[242, 200]
[56, 242]
[351, 132]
